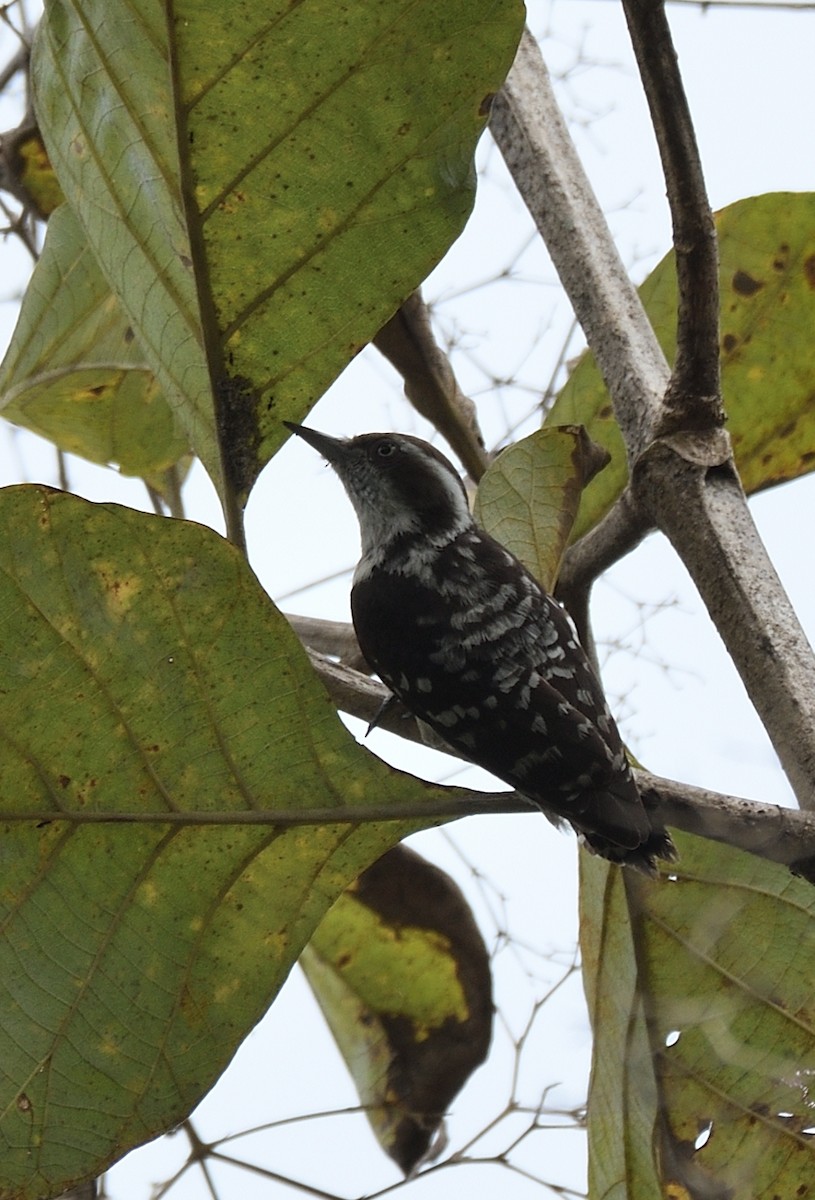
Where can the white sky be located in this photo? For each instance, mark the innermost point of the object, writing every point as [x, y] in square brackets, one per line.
[751, 87]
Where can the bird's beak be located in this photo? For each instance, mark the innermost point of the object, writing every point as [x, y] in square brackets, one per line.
[331, 448]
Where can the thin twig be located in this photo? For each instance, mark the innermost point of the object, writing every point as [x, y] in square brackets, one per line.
[17, 62]
[693, 399]
[615, 535]
[618, 533]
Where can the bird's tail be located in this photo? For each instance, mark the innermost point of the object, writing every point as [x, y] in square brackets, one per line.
[620, 824]
[644, 857]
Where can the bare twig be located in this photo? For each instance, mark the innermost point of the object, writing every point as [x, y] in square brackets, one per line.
[17, 62]
[407, 341]
[693, 399]
[623, 527]
[620, 531]
[22, 225]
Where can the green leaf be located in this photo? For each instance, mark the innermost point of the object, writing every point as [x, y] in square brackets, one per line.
[700, 992]
[145, 672]
[327, 159]
[75, 372]
[319, 213]
[767, 286]
[623, 1102]
[403, 978]
[106, 112]
[528, 498]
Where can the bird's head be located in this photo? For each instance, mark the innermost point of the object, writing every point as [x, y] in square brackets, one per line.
[399, 486]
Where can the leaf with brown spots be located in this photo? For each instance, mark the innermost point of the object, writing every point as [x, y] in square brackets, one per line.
[403, 977]
[74, 373]
[767, 252]
[700, 996]
[313, 141]
[145, 674]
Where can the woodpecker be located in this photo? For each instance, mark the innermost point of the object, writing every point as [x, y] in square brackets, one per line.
[467, 639]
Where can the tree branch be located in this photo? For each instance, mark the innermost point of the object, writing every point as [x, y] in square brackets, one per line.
[430, 385]
[532, 136]
[693, 399]
[704, 513]
[689, 467]
[781, 835]
[336, 638]
[684, 481]
[778, 834]
[620, 531]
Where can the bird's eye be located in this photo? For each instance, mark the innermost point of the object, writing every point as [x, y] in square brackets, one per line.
[385, 449]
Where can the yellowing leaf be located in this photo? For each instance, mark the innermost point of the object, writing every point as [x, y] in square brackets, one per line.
[767, 286]
[75, 372]
[36, 174]
[327, 157]
[146, 675]
[320, 212]
[402, 975]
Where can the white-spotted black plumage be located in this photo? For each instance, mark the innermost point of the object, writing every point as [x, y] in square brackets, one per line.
[470, 643]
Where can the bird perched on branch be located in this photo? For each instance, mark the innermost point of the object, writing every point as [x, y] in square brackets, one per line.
[472, 645]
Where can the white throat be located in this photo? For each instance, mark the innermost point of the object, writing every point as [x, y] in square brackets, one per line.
[418, 552]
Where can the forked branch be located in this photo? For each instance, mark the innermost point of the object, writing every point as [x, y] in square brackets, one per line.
[683, 479]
